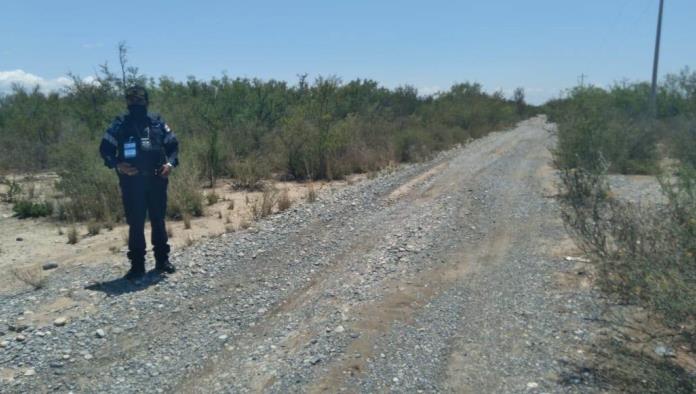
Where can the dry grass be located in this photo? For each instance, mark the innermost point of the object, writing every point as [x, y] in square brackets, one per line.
[93, 228]
[644, 255]
[73, 237]
[187, 221]
[263, 206]
[284, 201]
[311, 193]
[212, 198]
[32, 276]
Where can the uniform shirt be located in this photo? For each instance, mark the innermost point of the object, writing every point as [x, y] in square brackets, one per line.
[164, 147]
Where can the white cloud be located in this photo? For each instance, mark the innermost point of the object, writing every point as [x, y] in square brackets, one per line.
[428, 90]
[29, 81]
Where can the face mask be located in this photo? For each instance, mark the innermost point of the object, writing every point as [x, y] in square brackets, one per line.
[137, 111]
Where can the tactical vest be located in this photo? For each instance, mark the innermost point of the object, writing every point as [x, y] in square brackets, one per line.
[148, 154]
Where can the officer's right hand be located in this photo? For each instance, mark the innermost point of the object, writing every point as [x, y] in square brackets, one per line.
[126, 169]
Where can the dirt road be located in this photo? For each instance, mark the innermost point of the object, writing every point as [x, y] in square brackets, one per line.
[447, 276]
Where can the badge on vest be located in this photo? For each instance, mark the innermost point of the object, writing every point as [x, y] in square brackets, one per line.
[129, 149]
[145, 141]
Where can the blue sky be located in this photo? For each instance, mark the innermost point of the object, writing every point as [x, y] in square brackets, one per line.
[541, 45]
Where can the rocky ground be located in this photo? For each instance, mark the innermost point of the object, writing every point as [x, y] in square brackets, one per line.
[446, 276]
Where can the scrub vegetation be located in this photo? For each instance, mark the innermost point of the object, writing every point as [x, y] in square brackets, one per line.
[245, 129]
[645, 254]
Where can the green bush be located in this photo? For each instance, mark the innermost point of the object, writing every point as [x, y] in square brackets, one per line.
[645, 254]
[185, 197]
[249, 129]
[28, 209]
[591, 132]
[683, 140]
[90, 190]
[250, 171]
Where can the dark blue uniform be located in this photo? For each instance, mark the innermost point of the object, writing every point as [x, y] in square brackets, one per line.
[146, 144]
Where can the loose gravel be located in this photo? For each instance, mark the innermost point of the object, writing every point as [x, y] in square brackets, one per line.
[448, 286]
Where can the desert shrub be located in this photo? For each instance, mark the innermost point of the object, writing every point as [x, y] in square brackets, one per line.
[211, 154]
[589, 128]
[413, 144]
[683, 140]
[29, 209]
[187, 221]
[90, 191]
[311, 193]
[263, 206]
[246, 128]
[212, 198]
[645, 254]
[73, 236]
[184, 196]
[616, 368]
[93, 228]
[14, 190]
[250, 171]
[284, 201]
[32, 276]
[301, 141]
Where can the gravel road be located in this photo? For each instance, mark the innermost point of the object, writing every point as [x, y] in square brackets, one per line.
[445, 276]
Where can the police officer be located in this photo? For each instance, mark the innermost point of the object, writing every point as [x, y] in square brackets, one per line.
[143, 150]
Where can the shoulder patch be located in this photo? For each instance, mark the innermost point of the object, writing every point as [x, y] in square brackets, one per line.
[115, 125]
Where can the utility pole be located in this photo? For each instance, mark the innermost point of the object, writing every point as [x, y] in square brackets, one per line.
[581, 79]
[653, 91]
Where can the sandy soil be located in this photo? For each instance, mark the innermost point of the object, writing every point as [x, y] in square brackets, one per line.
[27, 244]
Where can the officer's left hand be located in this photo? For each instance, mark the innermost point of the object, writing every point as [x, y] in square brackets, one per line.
[165, 170]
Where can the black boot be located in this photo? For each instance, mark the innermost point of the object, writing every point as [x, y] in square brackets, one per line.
[165, 267]
[137, 271]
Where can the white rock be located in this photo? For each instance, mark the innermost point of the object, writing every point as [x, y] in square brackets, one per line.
[339, 329]
[88, 356]
[222, 337]
[532, 385]
[4, 344]
[100, 333]
[30, 372]
[60, 322]
[664, 351]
